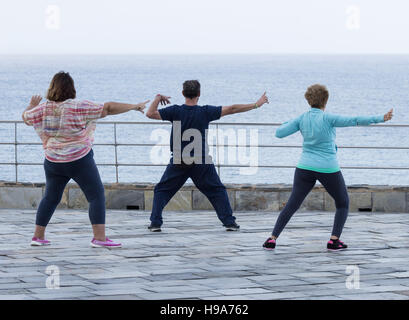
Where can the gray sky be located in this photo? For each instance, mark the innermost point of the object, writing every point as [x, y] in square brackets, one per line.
[205, 26]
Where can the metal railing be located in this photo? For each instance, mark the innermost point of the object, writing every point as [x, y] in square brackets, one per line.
[217, 125]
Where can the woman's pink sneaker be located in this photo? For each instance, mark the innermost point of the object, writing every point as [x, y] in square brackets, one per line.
[37, 242]
[108, 243]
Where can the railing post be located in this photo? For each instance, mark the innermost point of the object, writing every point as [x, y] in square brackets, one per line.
[116, 155]
[217, 149]
[15, 150]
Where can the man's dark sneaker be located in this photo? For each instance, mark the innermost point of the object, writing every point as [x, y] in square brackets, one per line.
[335, 245]
[270, 244]
[232, 227]
[153, 228]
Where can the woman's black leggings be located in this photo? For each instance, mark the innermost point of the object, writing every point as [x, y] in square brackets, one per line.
[83, 171]
[304, 181]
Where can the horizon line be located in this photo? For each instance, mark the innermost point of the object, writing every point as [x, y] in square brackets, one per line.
[205, 53]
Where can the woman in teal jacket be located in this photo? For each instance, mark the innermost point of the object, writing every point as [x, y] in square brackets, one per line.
[318, 161]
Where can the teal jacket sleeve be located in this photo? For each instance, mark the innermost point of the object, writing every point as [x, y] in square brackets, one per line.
[288, 128]
[343, 121]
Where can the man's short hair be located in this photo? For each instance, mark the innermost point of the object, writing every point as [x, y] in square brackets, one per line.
[191, 89]
[317, 96]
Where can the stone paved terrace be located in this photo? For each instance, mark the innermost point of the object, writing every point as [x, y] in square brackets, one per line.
[194, 258]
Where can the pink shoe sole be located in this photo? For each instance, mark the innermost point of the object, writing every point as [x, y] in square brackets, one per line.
[105, 244]
[35, 242]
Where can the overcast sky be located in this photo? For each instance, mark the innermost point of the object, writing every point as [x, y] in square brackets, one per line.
[205, 26]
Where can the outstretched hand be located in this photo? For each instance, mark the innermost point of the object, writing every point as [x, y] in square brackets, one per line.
[35, 101]
[141, 106]
[262, 100]
[163, 100]
[388, 116]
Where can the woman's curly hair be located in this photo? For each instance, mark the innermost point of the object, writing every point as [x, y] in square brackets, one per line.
[317, 96]
[61, 87]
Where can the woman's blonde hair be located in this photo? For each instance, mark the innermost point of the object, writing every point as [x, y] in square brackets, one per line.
[317, 96]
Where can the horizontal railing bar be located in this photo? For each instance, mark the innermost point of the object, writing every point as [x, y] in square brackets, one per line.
[214, 123]
[16, 143]
[212, 145]
[221, 165]
[267, 166]
[300, 147]
[261, 124]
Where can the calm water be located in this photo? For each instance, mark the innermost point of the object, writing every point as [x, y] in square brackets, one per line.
[359, 85]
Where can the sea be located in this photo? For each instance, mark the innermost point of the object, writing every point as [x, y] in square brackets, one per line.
[358, 85]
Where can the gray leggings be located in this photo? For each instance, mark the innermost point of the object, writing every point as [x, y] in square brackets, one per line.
[304, 181]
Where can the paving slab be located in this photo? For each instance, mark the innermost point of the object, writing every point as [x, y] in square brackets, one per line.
[195, 258]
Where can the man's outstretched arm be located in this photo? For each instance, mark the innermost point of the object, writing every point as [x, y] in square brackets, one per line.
[237, 108]
[153, 112]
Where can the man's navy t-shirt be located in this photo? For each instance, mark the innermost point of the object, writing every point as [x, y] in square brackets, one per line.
[190, 117]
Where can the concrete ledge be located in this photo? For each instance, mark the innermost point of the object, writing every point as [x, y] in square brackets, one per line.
[181, 201]
[20, 197]
[257, 200]
[243, 197]
[200, 201]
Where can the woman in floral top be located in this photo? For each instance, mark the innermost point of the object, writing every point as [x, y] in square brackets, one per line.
[66, 127]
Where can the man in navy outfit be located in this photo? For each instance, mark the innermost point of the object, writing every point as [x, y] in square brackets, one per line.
[190, 154]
